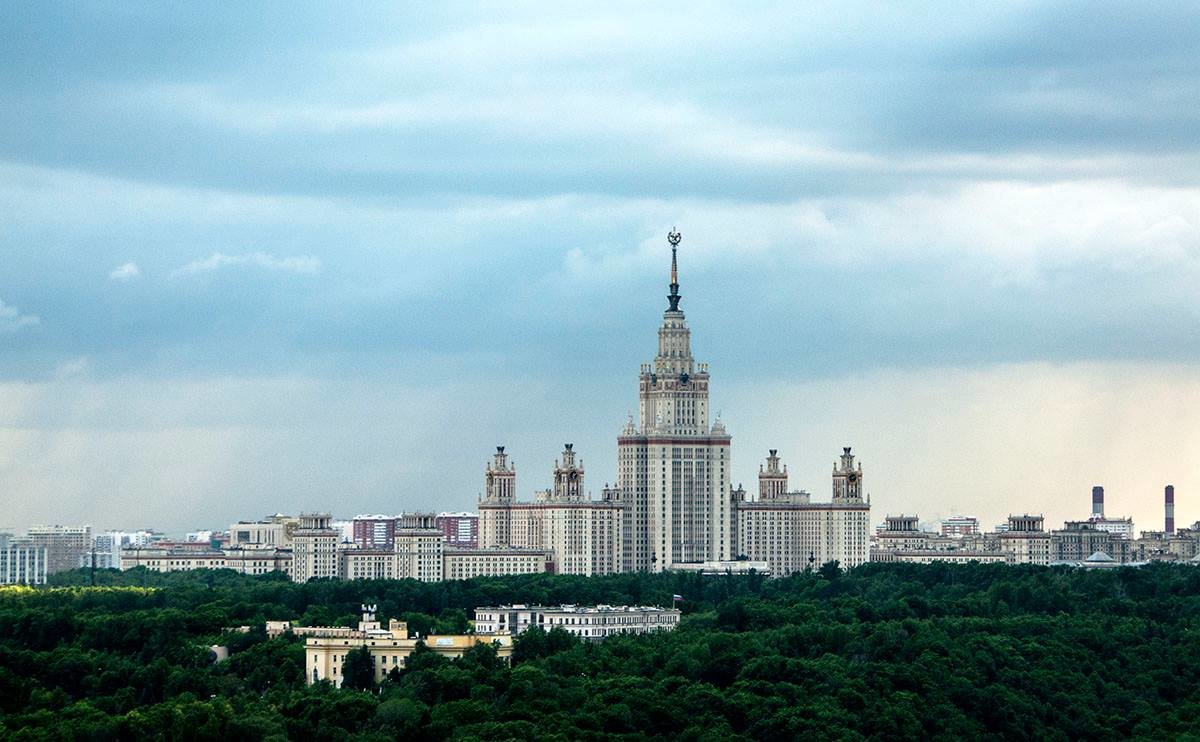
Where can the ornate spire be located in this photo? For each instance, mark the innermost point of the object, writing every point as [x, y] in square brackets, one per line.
[674, 238]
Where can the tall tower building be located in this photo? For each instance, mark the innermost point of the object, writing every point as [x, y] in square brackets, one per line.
[568, 477]
[847, 481]
[499, 493]
[772, 483]
[583, 535]
[673, 468]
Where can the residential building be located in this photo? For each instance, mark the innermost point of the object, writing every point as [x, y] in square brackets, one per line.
[67, 547]
[374, 531]
[461, 530]
[928, 556]
[960, 525]
[592, 623]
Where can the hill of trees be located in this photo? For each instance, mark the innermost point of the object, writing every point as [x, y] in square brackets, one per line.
[898, 651]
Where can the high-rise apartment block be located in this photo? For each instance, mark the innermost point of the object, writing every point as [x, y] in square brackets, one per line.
[67, 547]
[460, 529]
[960, 525]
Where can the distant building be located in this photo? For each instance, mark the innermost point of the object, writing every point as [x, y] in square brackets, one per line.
[1025, 541]
[901, 540]
[274, 531]
[725, 567]
[464, 564]
[22, 562]
[791, 533]
[374, 531]
[960, 525]
[182, 557]
[1078, 540]
[1121, 527]
[325, 648]
[929, 556]
[591, 623]
[315, 547]
[67, 547]
[673, 464]
[902, 533]
[584, 535]
[461, 530]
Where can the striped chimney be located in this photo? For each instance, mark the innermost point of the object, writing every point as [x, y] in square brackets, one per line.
[1169, 505]
[1097, 502]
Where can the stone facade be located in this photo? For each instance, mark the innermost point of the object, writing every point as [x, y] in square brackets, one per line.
[673, 467]
[791, 533]
[584, 535]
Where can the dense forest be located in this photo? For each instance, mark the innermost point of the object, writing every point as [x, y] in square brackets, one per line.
[885, 650]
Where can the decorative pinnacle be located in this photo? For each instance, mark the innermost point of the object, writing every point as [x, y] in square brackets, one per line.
[674, 238]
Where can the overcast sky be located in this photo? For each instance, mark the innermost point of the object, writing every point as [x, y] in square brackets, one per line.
[260, 258]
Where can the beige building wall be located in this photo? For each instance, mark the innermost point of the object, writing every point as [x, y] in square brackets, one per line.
[464, 564]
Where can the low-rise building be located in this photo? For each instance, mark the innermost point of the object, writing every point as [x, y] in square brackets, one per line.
[463, 564]
[592, 623]
[325, 649]
[725, 567]
[274, 531]
[181, 557]
[929, 556]
[1079, 540]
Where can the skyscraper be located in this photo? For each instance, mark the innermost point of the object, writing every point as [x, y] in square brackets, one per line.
[673, 468]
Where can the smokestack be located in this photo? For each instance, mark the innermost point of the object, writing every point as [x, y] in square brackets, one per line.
[1169, 505]
[1097, 502]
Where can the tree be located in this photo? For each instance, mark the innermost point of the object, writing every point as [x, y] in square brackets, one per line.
[358, 671]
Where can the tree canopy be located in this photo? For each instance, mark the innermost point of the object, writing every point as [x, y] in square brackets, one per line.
[884, 650]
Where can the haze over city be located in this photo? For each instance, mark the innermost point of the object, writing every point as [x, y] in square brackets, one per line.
[255, 261]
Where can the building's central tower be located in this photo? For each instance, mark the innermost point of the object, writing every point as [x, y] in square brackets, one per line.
[673, 469]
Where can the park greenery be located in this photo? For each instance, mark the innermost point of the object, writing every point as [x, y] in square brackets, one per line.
[881, 651]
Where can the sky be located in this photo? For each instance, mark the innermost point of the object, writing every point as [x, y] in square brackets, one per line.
[261, 258]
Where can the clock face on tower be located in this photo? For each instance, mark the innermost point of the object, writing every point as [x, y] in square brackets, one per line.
[573, 476]
[852, 478]
[683, 378]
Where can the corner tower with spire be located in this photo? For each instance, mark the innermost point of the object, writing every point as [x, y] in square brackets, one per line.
[673, 471]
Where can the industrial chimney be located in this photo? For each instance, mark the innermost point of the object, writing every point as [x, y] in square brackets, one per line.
[1169, 506]
[1097, 502]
